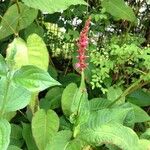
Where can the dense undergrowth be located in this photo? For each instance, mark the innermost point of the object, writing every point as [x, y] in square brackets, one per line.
[74, 75]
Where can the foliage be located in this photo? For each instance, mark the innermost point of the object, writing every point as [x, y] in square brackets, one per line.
[48, 101]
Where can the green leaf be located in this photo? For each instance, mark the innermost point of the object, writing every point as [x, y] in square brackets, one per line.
[75, 144]
[100, 117]
[3, 66]
[52, 99]
[28, 137]
[50, 6]
[60, 140]
[17, 97]
[146, 134]
[5, 130]
[37, 52]
[13, 147]
[140, 114]
[65, 123]
[33, 28]
[119, 10]
[114, 93]
[33, 78]
[140, 98]
[112, 133]
[9, 115]
[144, 144]
[67, 98]
[44, 126]
[16, 135]
[18, 52]
[14, 21]
[99, 103]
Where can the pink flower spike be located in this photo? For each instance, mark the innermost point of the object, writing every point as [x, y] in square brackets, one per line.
[82, 45]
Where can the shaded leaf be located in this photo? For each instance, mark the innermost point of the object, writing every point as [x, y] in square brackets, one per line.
[14, 21]
[3, 66]
[16, 135]
[119, 10]
[27, 135]
[140, 98]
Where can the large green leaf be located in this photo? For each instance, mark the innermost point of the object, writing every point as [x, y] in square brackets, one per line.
[37, 52]
[33, 78]
[67, 98]
[100, 117]
[34, 52]
[112, 133]
[18, 52]
[119, 10]
[52, 6]
[75, 103]
[3, 66]
[17, 97]
[28, 137]
[99, 103]
[140, 98]
[44, 126]
[14, 21]
[5, 130]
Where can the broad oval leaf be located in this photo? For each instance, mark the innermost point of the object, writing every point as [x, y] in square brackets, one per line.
[14, 21]
[52, 6]
[17, 51]
[67, 98]
[44, 126]
[33, 78]
[37, 52]
[5, 130]
[112, 133]
[119, 10]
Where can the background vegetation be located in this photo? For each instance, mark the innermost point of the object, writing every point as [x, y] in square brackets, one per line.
[46, 103]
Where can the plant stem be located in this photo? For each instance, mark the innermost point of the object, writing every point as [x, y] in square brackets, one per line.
[138, 84]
